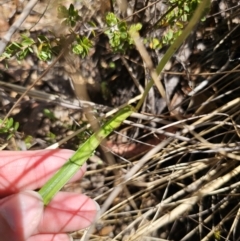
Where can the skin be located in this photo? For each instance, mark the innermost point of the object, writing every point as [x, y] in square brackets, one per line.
[23, 216]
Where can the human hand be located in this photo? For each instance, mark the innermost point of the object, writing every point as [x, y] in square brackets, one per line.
[23, 216]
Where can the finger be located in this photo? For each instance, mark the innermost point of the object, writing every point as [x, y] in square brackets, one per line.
[20, 170]
[52, 237]
[68, 212]
[20, 215]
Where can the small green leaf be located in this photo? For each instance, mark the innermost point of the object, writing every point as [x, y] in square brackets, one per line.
[42, 39]
[62, 12]
[170, 35]
[186, 8]
[28, 141]
[71, 10]
[82, 47]
[155, 43]
[15, 45]
[51, 135]
[49, 114]
[16, 125]
[112, 65]
[135, 27]
[45, 55]
[111, 19]
[77, 49]
[26, 41]
[9, 123]
[124, 35]
[9, 137]
[22, 54]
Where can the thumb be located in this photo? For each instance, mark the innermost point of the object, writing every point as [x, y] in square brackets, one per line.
[20, 215]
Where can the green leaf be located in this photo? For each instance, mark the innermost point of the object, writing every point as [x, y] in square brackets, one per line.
[45, 54]
[135, 27]
[16, 125]
[15, 45]
[67, 171]
[42, 39]
[186, 8]
[138, 26]
[124, 35]
[49, 114]
[62, 12]
[112, 65]
[111, 19]
[9, 137]
[77, 49]
[28, 141]
[9, 123]
[26, 41]
[155, 43]
[51, 135]
[71, 10]
[169, 35]
[82, 47]
[22, 54]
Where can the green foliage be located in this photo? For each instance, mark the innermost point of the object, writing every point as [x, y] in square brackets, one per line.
[81, 46]
[134, 28]
[112, 65]
[9, 127]
[49, 114]
[118, 33]
[20, 49]
[178, 15]
[154, 43]
[28, 140]
[44, 50]
[52, 137]
[41, 47]
[182, 11]
[68, 16]
[46, 47]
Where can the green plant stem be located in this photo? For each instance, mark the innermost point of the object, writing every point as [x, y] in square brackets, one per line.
[186, 32]
[176, 44]
[66, 172]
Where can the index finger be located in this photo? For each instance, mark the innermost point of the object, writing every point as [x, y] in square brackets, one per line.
[20, 170]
